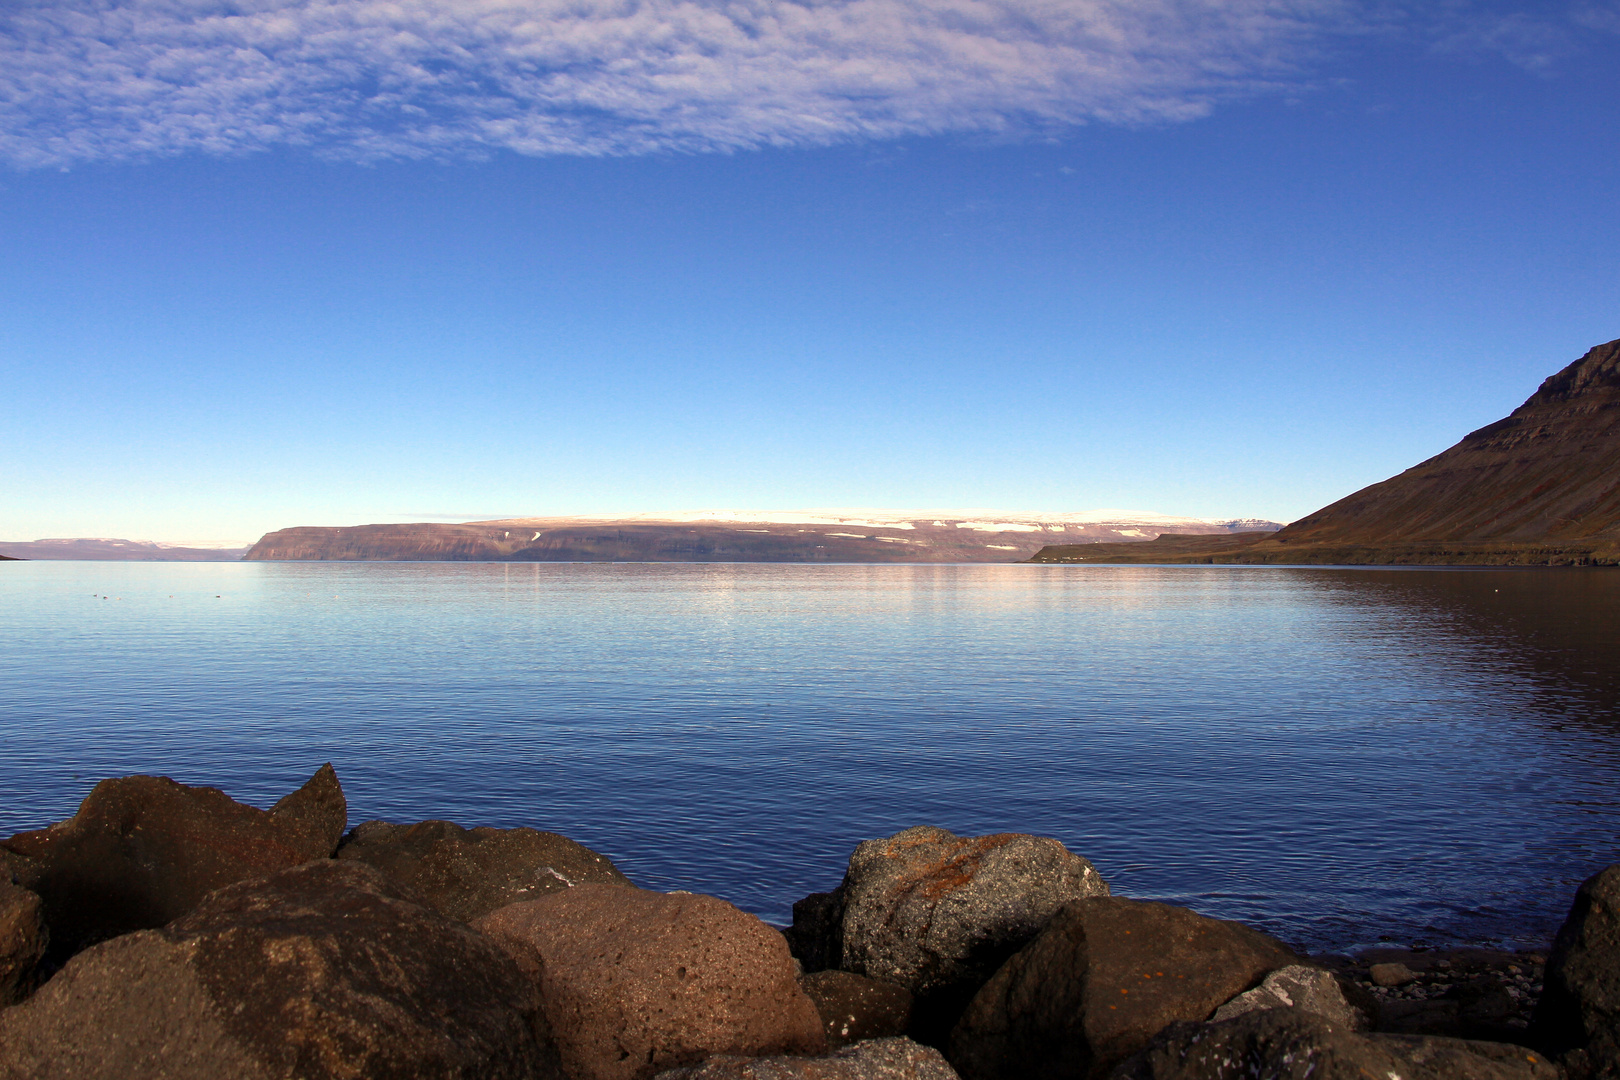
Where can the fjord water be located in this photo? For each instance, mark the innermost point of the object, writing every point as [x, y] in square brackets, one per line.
[1334, 755]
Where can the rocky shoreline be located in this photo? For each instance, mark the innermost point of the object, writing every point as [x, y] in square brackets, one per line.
[169, 931]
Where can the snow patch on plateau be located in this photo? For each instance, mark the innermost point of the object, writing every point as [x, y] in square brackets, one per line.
[974, 519]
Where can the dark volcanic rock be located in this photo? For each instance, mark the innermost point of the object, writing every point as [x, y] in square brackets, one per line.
[877, 1059]
[938, 913]
[1289, 1044]
[1101, 980]
[1580, 1007]
[144, 850]
[468, 873]
[22, 940]
[635, 982]
[854, 1008]
[321, 971]
[817, 934]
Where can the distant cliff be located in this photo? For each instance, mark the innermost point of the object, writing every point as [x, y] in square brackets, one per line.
[818, 536]
[1539, 487]
[108, 549]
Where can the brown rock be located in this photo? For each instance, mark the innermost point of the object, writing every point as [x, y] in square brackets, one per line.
[1289, 1044]
[468, 873]
[635, 982]
[1390, 974]
[854, 1008]
[144, 850]
[22, 941]
[1101, 980]
[876, 1059]
[321, 971]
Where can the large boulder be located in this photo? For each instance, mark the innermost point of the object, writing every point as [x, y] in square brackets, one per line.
[22, 940]
[1103, 978]
[635, 982]
[1291, 1044]
[854, 1008]
[938, 913]
[876, 1059]
[144, 850]
[322, 971]
[1579, 1009]
[467, 873]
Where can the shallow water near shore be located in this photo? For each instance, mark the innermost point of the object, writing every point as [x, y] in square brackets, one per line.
[1333, 755]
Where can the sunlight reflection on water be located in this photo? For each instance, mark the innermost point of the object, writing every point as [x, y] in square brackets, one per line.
[1329, 754]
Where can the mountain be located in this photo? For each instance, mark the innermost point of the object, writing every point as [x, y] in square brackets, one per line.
[107, 548]
[879, 536]
[1540, 486]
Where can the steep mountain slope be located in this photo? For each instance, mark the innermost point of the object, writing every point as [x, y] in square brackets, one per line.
[1541, 486]
[1549, 471]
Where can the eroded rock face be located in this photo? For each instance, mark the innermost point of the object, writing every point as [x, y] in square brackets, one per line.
[144, 850]
[635, 982]
[1290, 1044]
[1297, 987]
[1103, 978]
[22, 940]
[854, 1008]
[1580, 1005]
[877, 1059]
[468, 873]
[321, 971]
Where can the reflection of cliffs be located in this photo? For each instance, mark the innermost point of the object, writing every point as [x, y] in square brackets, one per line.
[814, 536]
[1542, 485]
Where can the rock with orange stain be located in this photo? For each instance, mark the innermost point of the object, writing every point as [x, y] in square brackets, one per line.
[938, 913]
[1103, 978]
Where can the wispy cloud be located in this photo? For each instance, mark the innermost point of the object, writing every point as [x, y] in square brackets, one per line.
[1534, 37]
[84, 80]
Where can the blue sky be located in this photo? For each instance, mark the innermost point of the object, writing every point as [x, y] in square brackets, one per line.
[266, 264]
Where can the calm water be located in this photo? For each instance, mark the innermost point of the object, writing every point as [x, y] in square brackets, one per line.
[1333, 755]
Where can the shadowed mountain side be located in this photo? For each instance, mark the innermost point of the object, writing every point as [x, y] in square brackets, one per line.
[1261, 549]
[575, 540]
[8, 558]
[1540, 487]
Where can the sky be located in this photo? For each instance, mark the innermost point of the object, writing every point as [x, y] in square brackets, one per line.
[268, 263]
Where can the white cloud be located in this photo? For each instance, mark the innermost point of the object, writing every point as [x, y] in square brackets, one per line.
[84, 80]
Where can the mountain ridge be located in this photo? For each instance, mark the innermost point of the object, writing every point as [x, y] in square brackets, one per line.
[1541, 486]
